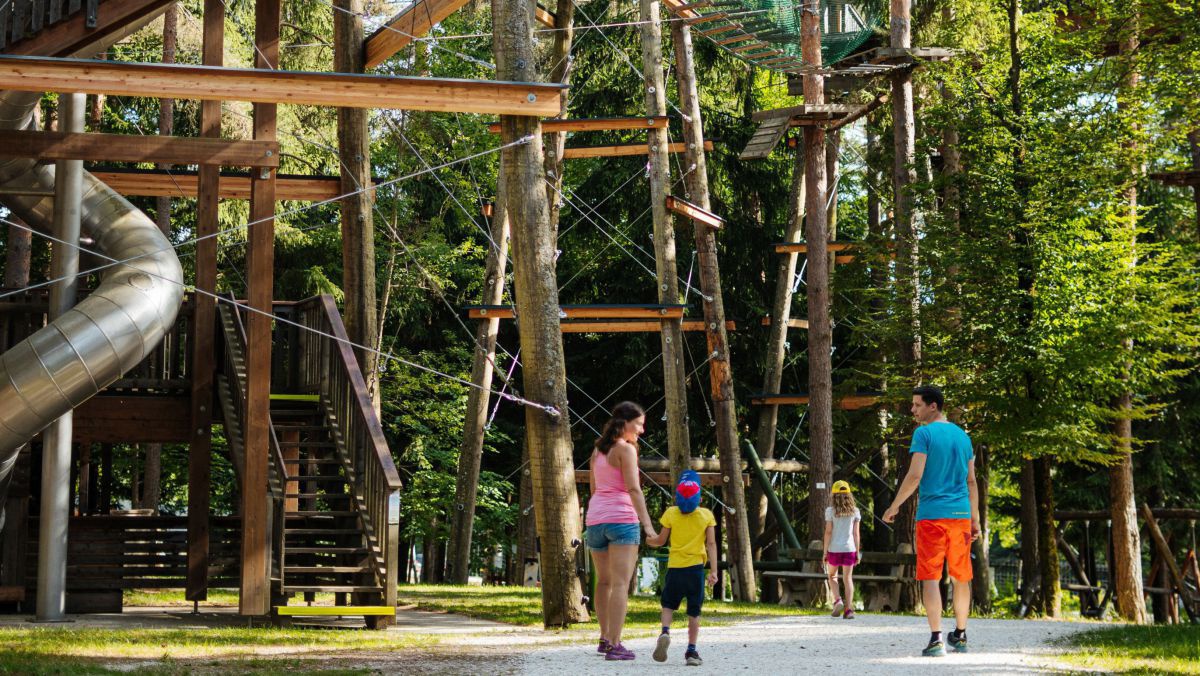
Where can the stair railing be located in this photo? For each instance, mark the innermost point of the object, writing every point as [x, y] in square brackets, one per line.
[329, 368]
[235, 371]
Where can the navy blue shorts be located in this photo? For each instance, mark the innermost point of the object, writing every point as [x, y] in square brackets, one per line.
[684, 583]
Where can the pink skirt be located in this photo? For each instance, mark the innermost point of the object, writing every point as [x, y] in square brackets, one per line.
[842, 558]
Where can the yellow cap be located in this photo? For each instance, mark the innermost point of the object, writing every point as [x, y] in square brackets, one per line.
[841, 487]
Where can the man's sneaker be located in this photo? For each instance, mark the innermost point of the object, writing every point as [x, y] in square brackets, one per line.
[619, 653]
[603, 648]
[958, 641]
[692, 658]
[934, 649]
[660, 650]
[849, 614]
[837, 607]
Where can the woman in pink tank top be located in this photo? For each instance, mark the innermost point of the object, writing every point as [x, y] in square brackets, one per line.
[614, 511]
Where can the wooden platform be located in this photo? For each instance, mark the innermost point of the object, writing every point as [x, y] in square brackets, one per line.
[852, 402]
[875, 62]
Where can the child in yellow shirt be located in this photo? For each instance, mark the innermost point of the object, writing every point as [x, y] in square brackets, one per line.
[691, 531]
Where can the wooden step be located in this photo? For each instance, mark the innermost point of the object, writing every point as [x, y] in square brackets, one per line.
[306, 444]
[333, 611]
[301, 427]
[318, 477]
[305, 496]
[313, 461]
[318, 570]
[322, 531]
[332, 588]
[311, 513]
[326, 550]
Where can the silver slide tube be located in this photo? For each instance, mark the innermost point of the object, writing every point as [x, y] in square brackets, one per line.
[115, 327]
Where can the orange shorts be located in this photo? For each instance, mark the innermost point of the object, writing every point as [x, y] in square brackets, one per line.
[946, 540]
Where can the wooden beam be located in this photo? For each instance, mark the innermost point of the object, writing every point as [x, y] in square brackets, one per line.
[207, 83]
[53, 145]
[802, 247]
[852, 402]
[623, 150]
[237, 186]
[586, 311]
[596, 124]
[737, 38]
[706, 18]
[1103, 515]
[633, 326]
[413, 22]
[714, 465]
[1180, 178]
[792, 323]
[145, 419]
[720, 29]
[663, 479]
[694, 212]
[545, 17]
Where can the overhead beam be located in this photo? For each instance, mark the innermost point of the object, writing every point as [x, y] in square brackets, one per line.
[74, 37]
[633, 326]
[694, 212]
[157, 183]
[709, 479]
[597, 124]
[714, 465]
[53, 145]
[339, 90]
[413, 22]
[622, 150]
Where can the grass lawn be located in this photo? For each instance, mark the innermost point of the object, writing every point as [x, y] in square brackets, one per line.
[1159, 649]
[523, 606]
[68, 650]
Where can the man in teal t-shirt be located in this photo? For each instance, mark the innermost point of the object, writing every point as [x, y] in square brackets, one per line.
[943, 467]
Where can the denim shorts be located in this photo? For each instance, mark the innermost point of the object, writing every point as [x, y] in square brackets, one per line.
[601, 535]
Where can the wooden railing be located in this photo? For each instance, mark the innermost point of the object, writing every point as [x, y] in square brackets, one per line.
[327, 367]
[234, 331]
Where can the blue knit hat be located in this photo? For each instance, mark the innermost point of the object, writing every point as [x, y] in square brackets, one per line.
[687, 491]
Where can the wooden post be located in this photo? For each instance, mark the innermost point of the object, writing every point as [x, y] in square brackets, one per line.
[560, 56]
[820, 329]
[358, 226]
[674, 374]
[256, 580]
[720, 371]
[548, 430]
[470, 453]
[781, 313]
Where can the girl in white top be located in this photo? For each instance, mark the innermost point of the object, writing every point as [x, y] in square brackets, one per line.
[843, 545]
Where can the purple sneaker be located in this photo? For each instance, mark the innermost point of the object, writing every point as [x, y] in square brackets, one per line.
[619, 652]
[604, 648]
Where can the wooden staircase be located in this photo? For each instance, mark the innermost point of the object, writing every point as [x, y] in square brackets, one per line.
[331, 478]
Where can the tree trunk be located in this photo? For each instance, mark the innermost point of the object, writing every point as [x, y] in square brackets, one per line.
[881, 463]
[526, 525]
[358, 225]
[820, 330]
[470, 454]
[1126, 567]
[1030, 568]
[17, 255]
[781, 313]
[1047, 547]
[674, 373]
[560, 57]
[981, 591]
[1194, 147]
[547, 423]
[720, 370]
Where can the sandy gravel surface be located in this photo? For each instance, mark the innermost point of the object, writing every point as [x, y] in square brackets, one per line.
[868, 644]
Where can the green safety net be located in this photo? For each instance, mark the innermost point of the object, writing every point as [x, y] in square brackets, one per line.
[845, 24]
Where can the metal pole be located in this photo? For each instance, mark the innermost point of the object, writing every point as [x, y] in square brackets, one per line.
[772, 500]
[56, 448]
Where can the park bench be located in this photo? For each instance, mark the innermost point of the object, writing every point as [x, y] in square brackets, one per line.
[806, 586]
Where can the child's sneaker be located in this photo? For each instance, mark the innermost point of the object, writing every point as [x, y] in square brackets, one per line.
[603, 648]
[958, 641]
[837, 607]
[692, 658]
[934, 649]
[619, 652]
[849, 614]
[660, 650]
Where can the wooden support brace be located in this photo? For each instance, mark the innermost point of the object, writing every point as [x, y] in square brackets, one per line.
[596, 124]
[206, 83]
[545, 17]
[53, 145]
[413, 22]
[694, 212]
[793, 323]
[623, 150]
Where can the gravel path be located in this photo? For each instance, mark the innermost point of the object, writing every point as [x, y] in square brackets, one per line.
[868, 644]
